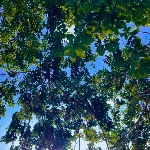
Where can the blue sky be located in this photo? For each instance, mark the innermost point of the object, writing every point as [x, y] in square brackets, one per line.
[4, 122]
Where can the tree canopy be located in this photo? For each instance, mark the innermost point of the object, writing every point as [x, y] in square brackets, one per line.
[45, 47]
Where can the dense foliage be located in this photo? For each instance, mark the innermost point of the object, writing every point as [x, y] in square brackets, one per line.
[45, 50]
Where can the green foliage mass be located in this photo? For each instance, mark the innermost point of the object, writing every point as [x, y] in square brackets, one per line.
[45, 47]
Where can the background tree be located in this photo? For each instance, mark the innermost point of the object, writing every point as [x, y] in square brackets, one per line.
[37, 47]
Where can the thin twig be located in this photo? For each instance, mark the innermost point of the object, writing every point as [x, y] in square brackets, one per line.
[144, 32]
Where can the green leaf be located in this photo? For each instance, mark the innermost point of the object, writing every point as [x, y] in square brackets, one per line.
[67, 52]
[100, 50]
[84, 47]
[87, 39]
[80, 53]
[73, 59]
[146, 58]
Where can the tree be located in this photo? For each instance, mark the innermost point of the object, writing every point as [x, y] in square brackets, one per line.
[37, 46]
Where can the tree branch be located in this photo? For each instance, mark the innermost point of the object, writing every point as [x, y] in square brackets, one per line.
[91, 111]
[136, 137]
[139, 119]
